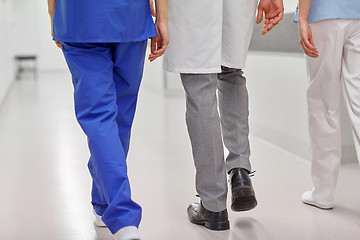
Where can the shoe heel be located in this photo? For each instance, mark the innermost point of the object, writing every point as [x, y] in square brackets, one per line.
[238, 205]
[218, 226]
[241, 192]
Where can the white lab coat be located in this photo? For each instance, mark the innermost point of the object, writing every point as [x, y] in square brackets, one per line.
[205, 34]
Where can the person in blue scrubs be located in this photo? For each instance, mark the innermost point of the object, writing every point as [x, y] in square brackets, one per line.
[104, 44]
[330, 37]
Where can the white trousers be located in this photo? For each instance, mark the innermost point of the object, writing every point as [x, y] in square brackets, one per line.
[338, 42]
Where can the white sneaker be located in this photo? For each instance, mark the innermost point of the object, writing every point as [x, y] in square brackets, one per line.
[98, 222]
[307, 198]
[127, 233]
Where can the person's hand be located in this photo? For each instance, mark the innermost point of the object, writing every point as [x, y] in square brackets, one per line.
[58, 44]
[159, 43]
[306, 40]
[274, 12]
[152, 8]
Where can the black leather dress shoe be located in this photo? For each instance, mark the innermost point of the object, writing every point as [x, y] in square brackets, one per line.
[212, 220]
[243, 195]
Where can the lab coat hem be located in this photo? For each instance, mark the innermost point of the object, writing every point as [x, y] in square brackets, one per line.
[192, 70]
[233, 65]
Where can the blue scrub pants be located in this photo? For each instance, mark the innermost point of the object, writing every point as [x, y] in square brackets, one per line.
[106, 78]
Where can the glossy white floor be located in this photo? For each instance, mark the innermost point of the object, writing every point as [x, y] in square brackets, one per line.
[45, 185]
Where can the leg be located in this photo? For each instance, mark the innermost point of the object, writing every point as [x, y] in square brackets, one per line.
[91, 66]
[203, 124]
[97, 200]
[323, 108]
[351, 80]
[128, 70]
[97, 196]
[234, 111]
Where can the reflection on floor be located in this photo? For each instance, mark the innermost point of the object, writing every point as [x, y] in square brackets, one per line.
[45, 184]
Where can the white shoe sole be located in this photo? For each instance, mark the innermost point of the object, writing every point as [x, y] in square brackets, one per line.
[127, 233]
[307, 198]
[98, 222]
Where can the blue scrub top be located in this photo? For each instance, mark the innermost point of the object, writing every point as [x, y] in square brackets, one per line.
[90, 21]
[332, 9]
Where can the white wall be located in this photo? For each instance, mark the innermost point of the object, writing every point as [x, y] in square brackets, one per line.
[6, 47]
[33, 36]
[277, 84]
[24, 30]
[290, 5]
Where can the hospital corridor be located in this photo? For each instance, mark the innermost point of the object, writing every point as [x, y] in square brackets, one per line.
[45, 184]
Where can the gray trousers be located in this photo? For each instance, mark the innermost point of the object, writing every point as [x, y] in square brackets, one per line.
[208, 130]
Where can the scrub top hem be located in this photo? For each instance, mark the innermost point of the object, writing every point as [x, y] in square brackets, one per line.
[102, 40]
[313, 20]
